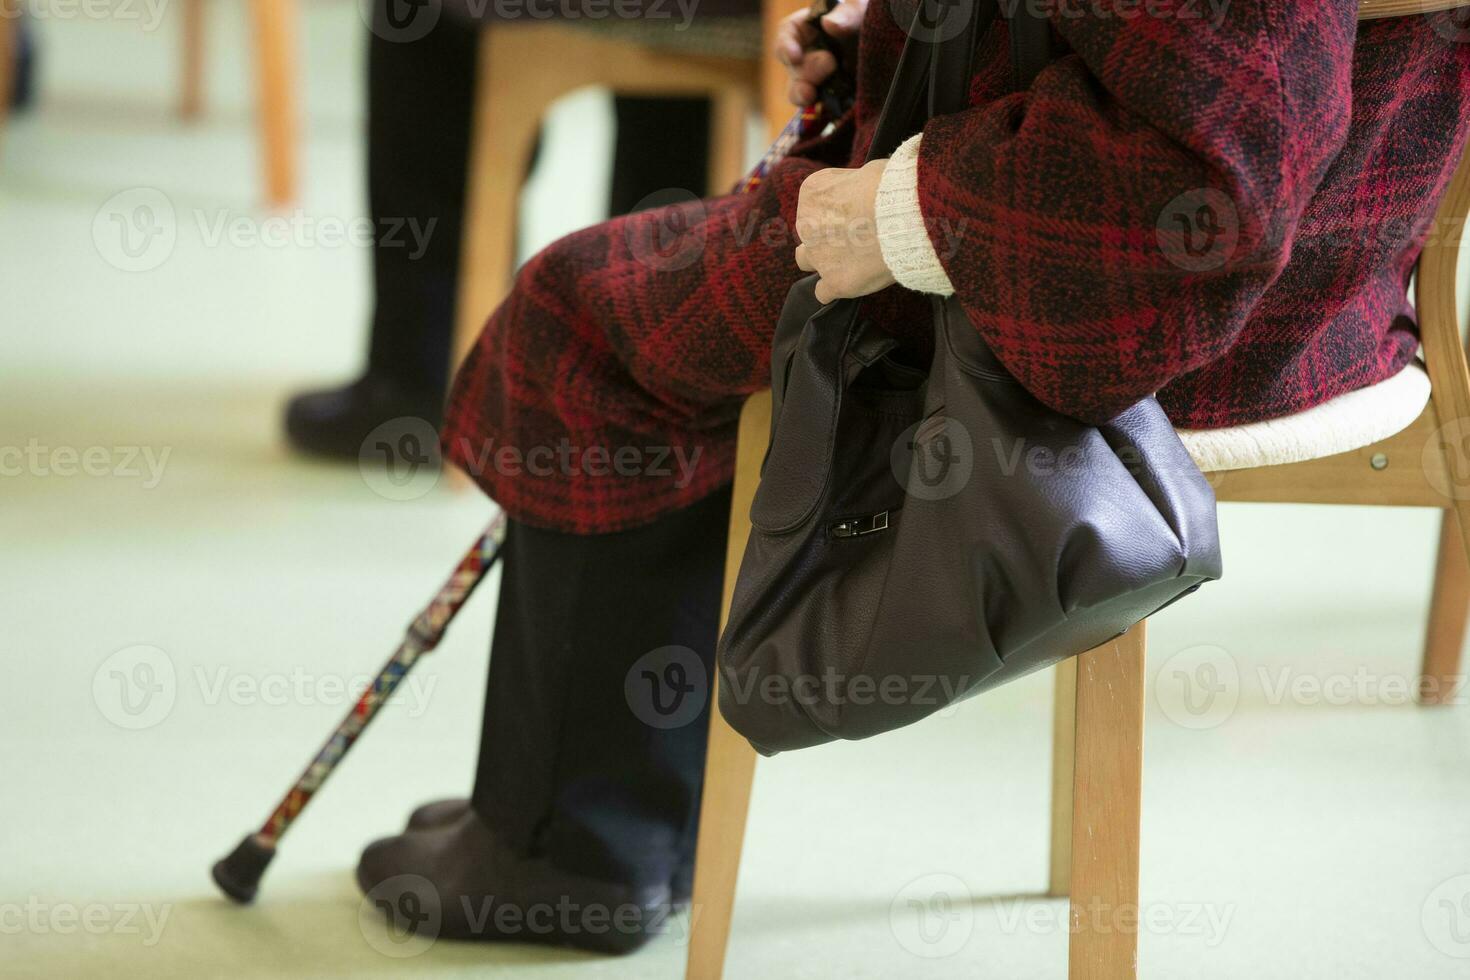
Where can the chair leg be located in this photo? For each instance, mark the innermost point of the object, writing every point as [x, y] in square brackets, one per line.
[1449, 609]
[191, 74]
[729, 769]
[275, 41]
[728, 121]
[507, 117]
[1106, 805]
[728, 776]
[1063, 769]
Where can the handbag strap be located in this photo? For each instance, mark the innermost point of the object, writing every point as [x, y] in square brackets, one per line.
[933, 73]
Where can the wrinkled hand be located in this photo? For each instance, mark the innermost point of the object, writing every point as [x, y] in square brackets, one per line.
[808, 66]
[839, 234]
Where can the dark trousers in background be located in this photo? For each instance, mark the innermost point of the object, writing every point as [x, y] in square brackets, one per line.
[420, 96]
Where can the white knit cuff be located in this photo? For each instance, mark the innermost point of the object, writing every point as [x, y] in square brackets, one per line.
[907, 250]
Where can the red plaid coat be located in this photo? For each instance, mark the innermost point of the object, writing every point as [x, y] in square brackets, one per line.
[1222, 206]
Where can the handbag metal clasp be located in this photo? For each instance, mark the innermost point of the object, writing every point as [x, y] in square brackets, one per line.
[855, 527]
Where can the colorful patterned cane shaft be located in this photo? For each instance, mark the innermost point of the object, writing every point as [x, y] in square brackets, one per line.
[423, 636]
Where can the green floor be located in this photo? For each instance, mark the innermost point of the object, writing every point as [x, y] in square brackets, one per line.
[179, 639]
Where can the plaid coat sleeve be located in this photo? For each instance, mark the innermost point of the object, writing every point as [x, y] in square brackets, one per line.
[1111, 228]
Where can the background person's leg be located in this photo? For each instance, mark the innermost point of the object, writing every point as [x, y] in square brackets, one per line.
[420, 96]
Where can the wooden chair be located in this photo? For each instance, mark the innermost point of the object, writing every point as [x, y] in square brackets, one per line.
[524, 68]
[274, 24]
[1098, 725]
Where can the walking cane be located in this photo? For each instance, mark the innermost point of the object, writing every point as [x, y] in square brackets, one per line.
[238, 874]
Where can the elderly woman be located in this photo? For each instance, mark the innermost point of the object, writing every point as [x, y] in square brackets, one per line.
[1296, 156]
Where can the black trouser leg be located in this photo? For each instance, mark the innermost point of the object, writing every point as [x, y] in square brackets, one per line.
[663, 144]
[597, 707]
[420, 96]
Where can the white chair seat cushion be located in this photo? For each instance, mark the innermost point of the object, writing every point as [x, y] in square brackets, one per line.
[1350, 421]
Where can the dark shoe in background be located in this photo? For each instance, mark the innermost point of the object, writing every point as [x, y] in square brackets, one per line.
[23, 83]
[465, 884]
[335, 422]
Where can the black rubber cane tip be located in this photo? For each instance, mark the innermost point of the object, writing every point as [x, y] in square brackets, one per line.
[238, 873]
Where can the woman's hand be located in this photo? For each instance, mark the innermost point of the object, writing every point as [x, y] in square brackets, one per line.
[807, 65]
[838, 232]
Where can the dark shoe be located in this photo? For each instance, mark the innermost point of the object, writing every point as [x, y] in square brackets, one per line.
[437, 814]
[336, 422]
[441, 812]
[458, 881]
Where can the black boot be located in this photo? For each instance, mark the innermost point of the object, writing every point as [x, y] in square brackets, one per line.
[336, 422]
[596, 718]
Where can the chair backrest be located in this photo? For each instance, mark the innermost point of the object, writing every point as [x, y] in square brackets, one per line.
[1436, 294]
[1378, 9]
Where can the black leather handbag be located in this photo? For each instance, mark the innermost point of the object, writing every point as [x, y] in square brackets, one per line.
[920, 537]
